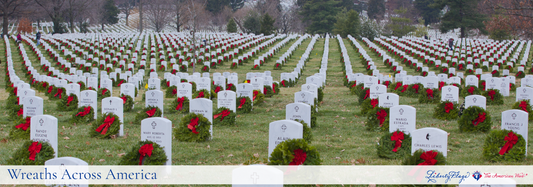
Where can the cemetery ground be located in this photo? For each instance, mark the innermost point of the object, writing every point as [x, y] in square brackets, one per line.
[340, 136]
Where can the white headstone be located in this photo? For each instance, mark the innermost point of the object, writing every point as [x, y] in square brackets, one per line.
[429, 138]
[403, 118]
[282, 130]
[300, 111]
[304, 97]
[154, 98]
[114, 105]
[205, 107]
[227, 99]
[450, 93]
[32, 106]
[517, 121]
[388, 100]
[476, 100]
[44, 128]
[158, 130]
[89, 98]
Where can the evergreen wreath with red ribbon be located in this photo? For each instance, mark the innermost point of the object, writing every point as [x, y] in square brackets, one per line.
[193, 128]
[105, 126]
[145, 153]
[504, 145]
[294, 152]
[32, 153]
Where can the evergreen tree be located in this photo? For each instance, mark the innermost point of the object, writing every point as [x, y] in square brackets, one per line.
[376, 9]
[463, 14]
[348, 23]
[429, 13]
[109, 13]
[320, 14]
[267, 25]
[252, 23]
[369, 29]
[232, 26]
[236, 4]
[215, 6]
[401, 26]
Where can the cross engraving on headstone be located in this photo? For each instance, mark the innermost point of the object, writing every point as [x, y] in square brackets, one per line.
[254, 177]
[296, 108]
[474, 99]
[31, 101]
[401, 111]
[41, 122]
[283, 127]
[153, 124]
[514, 116]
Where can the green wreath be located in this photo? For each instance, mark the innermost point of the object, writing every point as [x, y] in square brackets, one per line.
[234, 65]
[15, 112]
[184, 134]
[49, 92]
[276, 88]
[268, 91]
[17, 130]
[183, 68]
[206, 94]
[107, 93]
[220, 120]
[205, 69]
[64, 105]
[415, 158]
[113, 129]
[284, 153]
[363, 95]
[368, 105]
[22, 156]
[56, 94]
[117, 82]
[355, 90]
[128, 104]
[231, 87]
[512, 87]
[184, 107]
[82, 116]
[307, 133]
[157, 157]
[524, 106]
[245, 107]
[496, 140]
[496, 99]
[440, 110]
[429, 96]
[82, 85]
[171, 92]
[164, 84]
[470, 120]
[386, 145]
[372, 122]
[259, 97]
[320, 94]
[144, 113]
[470, 90]
[393, 87]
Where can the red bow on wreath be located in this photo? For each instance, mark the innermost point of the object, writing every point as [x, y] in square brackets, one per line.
[229, 86]
[430, 93]
[255, 94]
[523, 105]
[192, 125]
[200, 95]
[124, 99]
[374, 102]
[283, 82]
[120, 83]
[86, 111]
[174, 91]
[69, 99]
[480, 119]
[397, 137]
[416, 86]
[367, 94]
[24, 125]
[242, 101]
[491, 94]
[471, 90]
[146, 149]
[381, 116]
[274, 88]
[34, 148]
[151, 112]
[448, 107]
[50, 88]
[180, 103]
[299, 157]
[217, 89]
[222, 114]
[107, 123]
[59, 92]
[429, 158]
[441, 84]
[20, 112]
[404, 88]
[104, 91]
[510, 139]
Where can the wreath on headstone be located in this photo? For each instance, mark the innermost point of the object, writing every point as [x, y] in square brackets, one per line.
[421, 157]
[368, 105]
[21, 129]
[103, 93]
[504, 145]
[127, 102]
[205, 69]
[234, 65]
[183, 68]
[83, 114]
[307, 133]
[495, 73]
[395, 87]
[285, 83]
[171, 92]
[214, 90]
[470, 90]
[277, 66]
[58, 93]
[224, 117]
[148, 112]
[32, 153]
[446, 110]
[145, 153]
[357, 89]
[180, 105]
[493, 97]
[203, 93]
[164, 84]
[119, 82]
[429, 96]
[231, 87]
[394, 145]
[105, 126]
[363, 95]
[258, 97]
[512, 87]
[193, 128]
[69, 103]
[82, 85]
[244, 104]
[268, 91]
[524, 106]
[475, 118]
[378, 119]
[294, 152]
[49, 91]
[320, 94]
[520, 74]
[256, 67]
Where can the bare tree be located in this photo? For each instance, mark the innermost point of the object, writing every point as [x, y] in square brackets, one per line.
[159, 14]
[75, 9]
[179, 14]
[10, 8]
[54, 9]
[195, 10]
[141, 15]
[126, 7]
